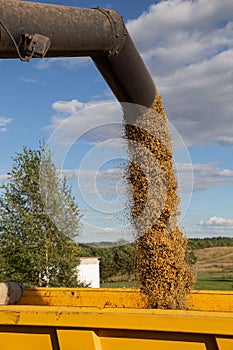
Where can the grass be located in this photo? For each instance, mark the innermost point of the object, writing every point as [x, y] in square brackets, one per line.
[214, 281]
[120, 284]
[205, 281]
[214, 270]
[214, 285]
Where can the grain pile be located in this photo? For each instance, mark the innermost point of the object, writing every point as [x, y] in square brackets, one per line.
[165, 275]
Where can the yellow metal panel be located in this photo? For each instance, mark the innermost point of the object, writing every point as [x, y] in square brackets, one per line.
[77, 339]
[148, 344]
[100, 297]
[24, 341]
[200, 322]
[211, 300]
[117, 316]
[117, 297]
[225, 344]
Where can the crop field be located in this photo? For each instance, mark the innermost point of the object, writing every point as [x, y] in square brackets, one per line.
[214, 270]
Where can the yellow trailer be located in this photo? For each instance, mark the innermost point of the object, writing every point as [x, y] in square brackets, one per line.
[112, 319]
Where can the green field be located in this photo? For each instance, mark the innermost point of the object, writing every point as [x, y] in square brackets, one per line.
[120, 284]
[214, 268]
[215, 281]
[205, 281]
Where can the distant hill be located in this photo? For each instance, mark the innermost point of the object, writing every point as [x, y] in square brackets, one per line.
[105, 244]
[215, 259]
[194, 243]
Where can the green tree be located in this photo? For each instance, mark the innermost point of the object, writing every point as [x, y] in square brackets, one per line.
[115, 260]
[39, 222]
[2, 268]
[125, 260]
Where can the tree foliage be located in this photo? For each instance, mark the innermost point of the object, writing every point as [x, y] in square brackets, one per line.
[115, 261]
[39, 221]
[119, 260]
[201, 243]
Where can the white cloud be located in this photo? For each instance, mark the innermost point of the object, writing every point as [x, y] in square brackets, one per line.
[3, 123]
[4, 177]
[28, 80]
[217, 221]
[198, 100]
[178, 26]
[105, 183]
[107, 234]
[66, 62]
[74, 173]
[188, 46]
[206, 176]
[94, 121]
[215, 226]
[72, 106]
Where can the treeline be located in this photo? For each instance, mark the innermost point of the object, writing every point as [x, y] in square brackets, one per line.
[201, 243]
[118, 260]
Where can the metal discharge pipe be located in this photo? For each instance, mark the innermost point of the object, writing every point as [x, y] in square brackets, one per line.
[62, 31]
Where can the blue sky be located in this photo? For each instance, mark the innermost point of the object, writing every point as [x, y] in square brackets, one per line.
[188, 48]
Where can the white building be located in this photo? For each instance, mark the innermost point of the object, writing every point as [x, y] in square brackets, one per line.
[89, 271]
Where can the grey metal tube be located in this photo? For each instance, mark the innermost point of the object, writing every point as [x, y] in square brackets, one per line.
[98, 33]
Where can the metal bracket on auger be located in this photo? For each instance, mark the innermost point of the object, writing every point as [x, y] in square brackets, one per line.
[34, 45]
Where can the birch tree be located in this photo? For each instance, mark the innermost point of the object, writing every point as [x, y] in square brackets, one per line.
[39, 223]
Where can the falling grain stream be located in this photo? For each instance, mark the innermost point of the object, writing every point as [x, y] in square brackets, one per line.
[164, 274]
